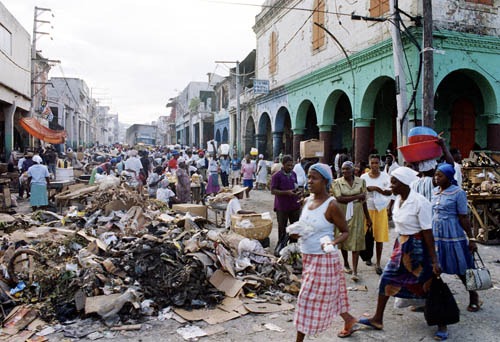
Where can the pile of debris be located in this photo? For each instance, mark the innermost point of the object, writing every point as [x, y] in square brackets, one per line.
[123, 258]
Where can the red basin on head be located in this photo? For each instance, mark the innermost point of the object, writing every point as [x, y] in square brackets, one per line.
[421, 151]
[420, 138]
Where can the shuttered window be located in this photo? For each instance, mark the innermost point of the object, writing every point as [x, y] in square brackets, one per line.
[379, 7]
[482, 2]
[273, 53]
[318, 34]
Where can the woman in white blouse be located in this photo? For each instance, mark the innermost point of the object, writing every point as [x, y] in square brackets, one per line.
[413, 262]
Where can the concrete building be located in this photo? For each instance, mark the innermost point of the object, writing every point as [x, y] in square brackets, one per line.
[15, 81]
[113, 127]
[137, 133]
[314, 94]
[194, 112]
[122, 133]
[78, 109]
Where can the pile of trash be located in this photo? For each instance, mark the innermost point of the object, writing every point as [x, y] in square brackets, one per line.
[122, 257]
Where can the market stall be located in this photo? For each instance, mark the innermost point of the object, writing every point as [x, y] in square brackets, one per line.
[481, 181]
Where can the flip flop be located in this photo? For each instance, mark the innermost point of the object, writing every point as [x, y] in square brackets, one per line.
[355, 278]
[378, 270]
[366, 322]
[474, 307]
[440, 336]
[345, 333]
[347, 270]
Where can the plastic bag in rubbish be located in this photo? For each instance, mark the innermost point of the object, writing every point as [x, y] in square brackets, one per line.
[300, 228]
[109, 182]
[247, 249]
[245, 224]
[146, 307]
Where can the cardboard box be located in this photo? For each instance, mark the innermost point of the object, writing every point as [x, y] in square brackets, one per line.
[193, 209]
[312, 148]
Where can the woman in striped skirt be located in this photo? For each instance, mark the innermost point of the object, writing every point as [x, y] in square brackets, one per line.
[323, 294]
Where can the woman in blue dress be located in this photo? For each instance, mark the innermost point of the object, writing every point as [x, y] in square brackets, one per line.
[451, 227]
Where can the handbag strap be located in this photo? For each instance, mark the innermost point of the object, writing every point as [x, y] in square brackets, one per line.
[480, 259]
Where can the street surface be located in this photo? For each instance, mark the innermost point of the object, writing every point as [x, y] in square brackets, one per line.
[399, 324]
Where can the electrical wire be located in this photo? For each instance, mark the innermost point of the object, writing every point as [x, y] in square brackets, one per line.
[13, 62]
[275, 7]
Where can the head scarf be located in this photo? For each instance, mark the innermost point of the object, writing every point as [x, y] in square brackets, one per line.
[448, 170]
[348, 163]
[325, 171]
[165, 183]
[261, 156]
[405, 175]
[427, 165]
[37, 159]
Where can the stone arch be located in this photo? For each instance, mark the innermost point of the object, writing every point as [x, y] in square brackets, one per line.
[338, 114]
[249, 134]
[218, 136]
[462, 98]
[225, 135]
[370, 94]
[283, 134]
[264, 136]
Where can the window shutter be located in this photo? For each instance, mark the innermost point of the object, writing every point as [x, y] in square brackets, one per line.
[318, 34]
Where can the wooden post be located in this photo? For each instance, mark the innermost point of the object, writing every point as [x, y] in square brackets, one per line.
[428, 67]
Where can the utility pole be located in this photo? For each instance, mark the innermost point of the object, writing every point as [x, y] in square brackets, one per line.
[34, 60]
[428, 67]
[400, 78]
[238, 108]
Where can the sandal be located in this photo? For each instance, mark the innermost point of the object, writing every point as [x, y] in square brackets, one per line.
[368, 263]
[355, 277]
[367, 322]
[347, 270]
[474, 307]
[440, 336]
[346, 333]
[378, 270]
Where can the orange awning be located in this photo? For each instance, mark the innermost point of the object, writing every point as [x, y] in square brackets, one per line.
[36, 129]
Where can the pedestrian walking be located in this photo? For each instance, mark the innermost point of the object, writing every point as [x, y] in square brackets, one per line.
[286, 200]
[235, 170]
[323, 292]
[413, 262]
[225, 167]
[39, 181]
[377, 200]
[261, 173]
[451, 227]
[350, 193]
[213, 173]
[183, 187]
[248, 171]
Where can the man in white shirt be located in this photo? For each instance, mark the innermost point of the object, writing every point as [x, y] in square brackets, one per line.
[457, 158]
[300, 173]
[133, 165]
[390, 163]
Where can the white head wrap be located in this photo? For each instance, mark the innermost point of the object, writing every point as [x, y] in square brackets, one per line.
[132, 153]
[37, 159]
[261, 156]
[405, 175]
[426, 165]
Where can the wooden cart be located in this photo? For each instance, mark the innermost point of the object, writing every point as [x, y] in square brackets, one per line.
[484, 210]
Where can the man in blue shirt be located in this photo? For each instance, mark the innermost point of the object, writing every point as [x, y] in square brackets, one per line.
[235, 170]
[224, 169]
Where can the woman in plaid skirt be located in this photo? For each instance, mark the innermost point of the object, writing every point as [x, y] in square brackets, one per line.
[323, 294]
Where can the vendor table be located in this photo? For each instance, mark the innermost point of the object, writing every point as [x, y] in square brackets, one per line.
[485, 209]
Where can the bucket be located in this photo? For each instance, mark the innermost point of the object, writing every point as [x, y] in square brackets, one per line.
[210, 148]
[420, 134]
[421, 151]
[254, 151]
[224, 149]
[64, 174]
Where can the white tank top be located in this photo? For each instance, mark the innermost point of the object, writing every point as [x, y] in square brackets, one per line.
[316, 219]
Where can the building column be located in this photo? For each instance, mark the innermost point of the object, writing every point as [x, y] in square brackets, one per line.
[76, 141]
[277, 143]
[326, 135]
[260, 140]
[9, 112]
[201, 128]
[493, 139]
[362, 133]
[298, 136]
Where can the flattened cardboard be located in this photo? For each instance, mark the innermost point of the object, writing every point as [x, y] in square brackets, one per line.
[93, 304]
[268, 307]
[193, 315]
[218, 316]
[226, 283]
[19, 318]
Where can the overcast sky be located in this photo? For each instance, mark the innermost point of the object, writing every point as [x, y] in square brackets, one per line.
[136, 54]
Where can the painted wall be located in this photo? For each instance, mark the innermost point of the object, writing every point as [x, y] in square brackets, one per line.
[15, 65]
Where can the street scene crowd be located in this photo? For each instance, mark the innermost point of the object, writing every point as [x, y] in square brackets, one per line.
[328, 216]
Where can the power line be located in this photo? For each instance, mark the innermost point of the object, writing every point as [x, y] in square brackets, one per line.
[13, 62]
[276, 7]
